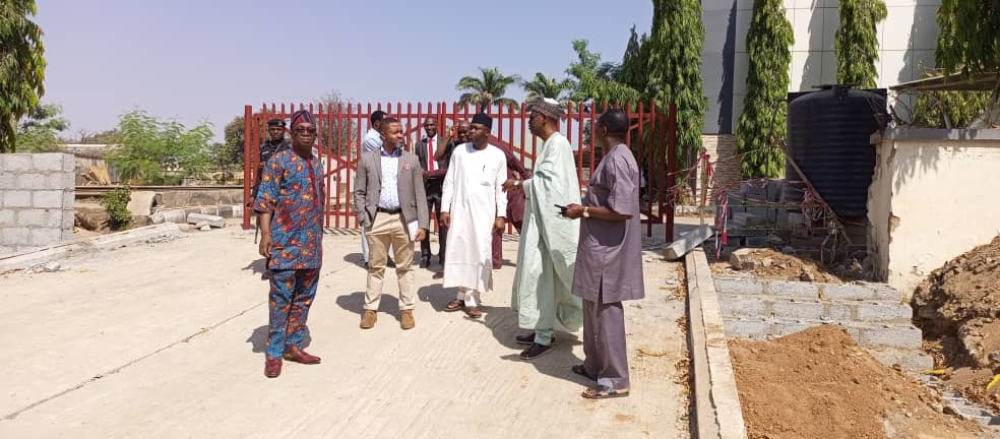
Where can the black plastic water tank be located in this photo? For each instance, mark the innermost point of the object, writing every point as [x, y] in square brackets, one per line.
[829, 137]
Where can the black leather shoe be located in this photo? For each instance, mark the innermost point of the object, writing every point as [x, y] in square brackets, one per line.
[536, 350]
[526, 339]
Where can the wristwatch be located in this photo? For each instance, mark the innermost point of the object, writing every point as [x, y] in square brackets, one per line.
[586, 211]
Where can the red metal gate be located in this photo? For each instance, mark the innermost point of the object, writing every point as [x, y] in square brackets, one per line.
[342, 127]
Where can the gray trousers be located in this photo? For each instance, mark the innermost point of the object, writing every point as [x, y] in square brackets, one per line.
[606, 356]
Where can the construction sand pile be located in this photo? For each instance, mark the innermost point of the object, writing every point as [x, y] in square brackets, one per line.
[819, 383]
[958, 308]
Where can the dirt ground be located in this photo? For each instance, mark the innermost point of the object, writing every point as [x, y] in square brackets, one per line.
[771, 264]
[958, 308]
[819, 383]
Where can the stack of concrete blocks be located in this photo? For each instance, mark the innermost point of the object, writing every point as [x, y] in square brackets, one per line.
[36, 200]
[755, 216]
[873, 314]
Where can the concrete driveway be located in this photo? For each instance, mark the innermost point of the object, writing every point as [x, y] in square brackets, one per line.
[165, 341]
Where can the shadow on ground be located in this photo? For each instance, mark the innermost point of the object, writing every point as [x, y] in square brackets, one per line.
[258, 340]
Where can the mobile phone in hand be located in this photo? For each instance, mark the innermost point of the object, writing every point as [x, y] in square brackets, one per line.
[562, 210]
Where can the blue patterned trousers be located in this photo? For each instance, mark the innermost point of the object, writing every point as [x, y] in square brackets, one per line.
[292, 293]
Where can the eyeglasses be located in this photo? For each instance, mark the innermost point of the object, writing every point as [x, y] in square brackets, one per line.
[303, 130]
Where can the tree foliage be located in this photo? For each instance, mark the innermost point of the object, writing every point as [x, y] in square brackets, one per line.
[488, 90]
[233, 134]
[970, 36]
[856, 41]
[22, 67]
[674, 67]
[151, 151]
[336, 134]
[594, 82]
[39, 130]
[542, 86]
[762, 124]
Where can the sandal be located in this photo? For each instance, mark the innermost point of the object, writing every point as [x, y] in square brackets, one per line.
[454, 305]
[603, 392]
[582, 371]
[474, 312]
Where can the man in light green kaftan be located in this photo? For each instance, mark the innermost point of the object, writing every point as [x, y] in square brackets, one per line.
[547, 251]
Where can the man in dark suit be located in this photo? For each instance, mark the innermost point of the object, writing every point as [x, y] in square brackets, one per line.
[433, 171]
[391, 203]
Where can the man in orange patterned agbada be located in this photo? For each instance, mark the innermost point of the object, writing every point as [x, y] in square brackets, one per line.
[290, 204]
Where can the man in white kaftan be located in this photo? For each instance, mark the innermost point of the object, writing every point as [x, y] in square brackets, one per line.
[473, 207]
[542, 290]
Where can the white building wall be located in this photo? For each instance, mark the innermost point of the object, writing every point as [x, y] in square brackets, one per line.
[908, 37]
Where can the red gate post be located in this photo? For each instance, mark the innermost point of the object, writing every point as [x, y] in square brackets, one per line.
[671, 167]
[247, 163]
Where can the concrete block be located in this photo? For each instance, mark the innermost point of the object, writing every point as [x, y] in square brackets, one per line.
[68, 219]
[8, 217]
[687, 242]
[789, 309]
[17, 162]
[741, 220]
[882, 311]
[32, 181]
[31, 217]
[48, 162]
[69, 180]
[841, 312]
[846, 292]
[752, 329]
[757, 241]
[754, 190]
[7, 249]
[762, 215]
[214, 221]
[782, 328]
[774, 189]
[46, 236]
[15, 236]
[16, 199]
[744, 306]
[909, 360]
[58, 181]
[54, 219]
[47, 199]
[903, 337]
[796, 219]
[68, 199]
[69, 164]
[7, 180]
[738, 286]
[886, 292]
[791, 290]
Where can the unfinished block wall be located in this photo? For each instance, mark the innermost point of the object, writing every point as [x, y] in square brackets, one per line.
[36, 200]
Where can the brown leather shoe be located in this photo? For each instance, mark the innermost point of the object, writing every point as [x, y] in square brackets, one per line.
[293, 353]
[272, 367]
[368, 319]
[406, 319]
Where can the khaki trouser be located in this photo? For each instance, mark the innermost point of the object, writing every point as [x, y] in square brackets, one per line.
[389, 229]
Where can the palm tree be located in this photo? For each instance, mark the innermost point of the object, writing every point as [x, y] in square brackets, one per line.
[22, 67]
[488, 90]
[544, 87]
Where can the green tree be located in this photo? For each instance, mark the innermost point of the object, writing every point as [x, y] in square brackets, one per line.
[39, 130]
[634, 69]
[856, 41]
[233, 133]
[970, 36]
[488, 90]
[546, 87]
[22, 67]
[109, 137]
[594, 81]
[336, 134]
[674, 67]
[762, 125]
[151, 151]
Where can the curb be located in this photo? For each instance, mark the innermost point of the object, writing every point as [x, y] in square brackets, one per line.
[718, 414]
[31, 258]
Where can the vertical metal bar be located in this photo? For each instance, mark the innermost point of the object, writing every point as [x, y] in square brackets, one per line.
[672, 166]
[247, 163]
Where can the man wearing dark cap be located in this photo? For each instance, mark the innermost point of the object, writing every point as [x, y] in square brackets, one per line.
[473, 207]
[291, 199]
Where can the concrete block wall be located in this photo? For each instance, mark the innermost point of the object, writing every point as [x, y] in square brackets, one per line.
[36, 200]
[722, 151]
[873, 314]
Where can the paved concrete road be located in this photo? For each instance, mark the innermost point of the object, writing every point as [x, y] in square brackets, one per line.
[165, 341]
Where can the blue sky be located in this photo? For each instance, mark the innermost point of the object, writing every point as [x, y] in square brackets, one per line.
[204, 60]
